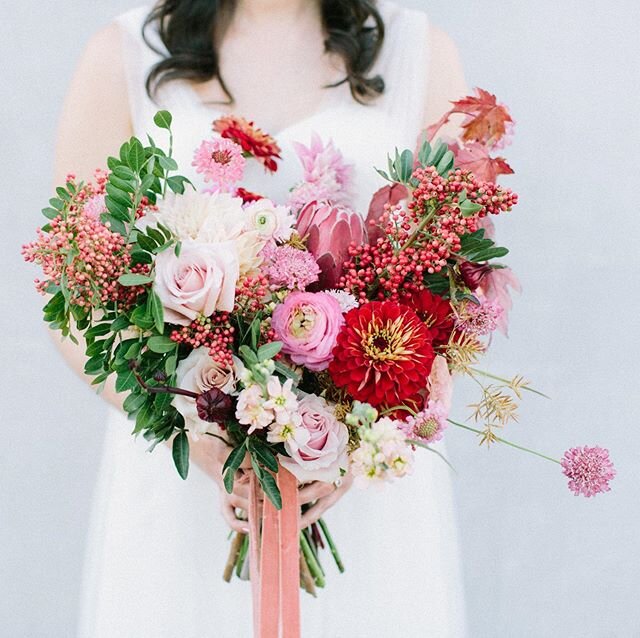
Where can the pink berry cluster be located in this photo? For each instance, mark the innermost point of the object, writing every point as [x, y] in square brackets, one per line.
[215, 333]
[85, 252]
[251, 293]
[128, 295]
[422, 239]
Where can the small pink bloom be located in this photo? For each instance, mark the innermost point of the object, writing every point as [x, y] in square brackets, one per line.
[441, 384]
[198, 282]
[588, 469]
[95, 206]
[290, 267]
[479, 319]
[251, 409]
[220, 161]
[308, 324]
[428, 425]
[318, 450]
[495, 288]
[330, 230]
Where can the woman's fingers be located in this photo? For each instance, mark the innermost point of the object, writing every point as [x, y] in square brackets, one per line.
[229, 515]
[314, 491]
[238, 501]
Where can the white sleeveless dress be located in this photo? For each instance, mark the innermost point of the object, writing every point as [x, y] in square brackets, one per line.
[158, 545]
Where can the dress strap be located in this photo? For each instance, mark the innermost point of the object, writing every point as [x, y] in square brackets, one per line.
[404, 65]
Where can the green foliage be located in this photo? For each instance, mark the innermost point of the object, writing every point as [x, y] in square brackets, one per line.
[180, 453]
[477, 248]
[438, 155]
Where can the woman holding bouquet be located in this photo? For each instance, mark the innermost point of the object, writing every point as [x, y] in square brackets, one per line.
[369, 76]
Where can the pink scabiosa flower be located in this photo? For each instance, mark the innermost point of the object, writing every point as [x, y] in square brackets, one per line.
[479, 319]
[308, 324]
[588, 469]
[428, 425]
[330, 230]
[220, 161]
[290, 267]
[326, 175]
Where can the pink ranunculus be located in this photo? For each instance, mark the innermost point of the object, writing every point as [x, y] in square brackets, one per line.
[318, 451]
[329, 230]
[308, 324]
[198, 282]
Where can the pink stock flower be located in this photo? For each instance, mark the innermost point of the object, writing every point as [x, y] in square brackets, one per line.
[330, 230]
[220, 161]
[290, 267]
[588, 469]
[198, 282]
[318, 450]
[495, 288]
[308, 324]
[428, 425]
[251, 409]
[326, 175]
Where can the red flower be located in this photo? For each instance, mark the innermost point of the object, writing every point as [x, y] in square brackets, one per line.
[252, 140]
[383, 354]
[435, 312]
[247, 196]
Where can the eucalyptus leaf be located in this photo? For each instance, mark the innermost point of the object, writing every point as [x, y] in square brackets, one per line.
[180, 453]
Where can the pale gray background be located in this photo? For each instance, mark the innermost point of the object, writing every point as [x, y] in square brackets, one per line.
[538, 562]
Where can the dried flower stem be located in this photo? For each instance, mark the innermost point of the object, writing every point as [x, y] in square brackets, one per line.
[234, 554]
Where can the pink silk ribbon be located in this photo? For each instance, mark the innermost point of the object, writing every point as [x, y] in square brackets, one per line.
[275, 560]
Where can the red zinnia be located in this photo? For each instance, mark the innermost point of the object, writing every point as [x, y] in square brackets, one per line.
[383, 354]
[434, 311]
[252, 140]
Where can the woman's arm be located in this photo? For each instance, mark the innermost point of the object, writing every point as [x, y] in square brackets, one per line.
[446, 82]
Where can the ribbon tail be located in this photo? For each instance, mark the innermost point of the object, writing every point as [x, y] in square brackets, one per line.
[254, 548]
[269, 606]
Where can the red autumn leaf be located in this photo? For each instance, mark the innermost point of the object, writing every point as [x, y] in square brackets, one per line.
[475, 157]
[486, 120]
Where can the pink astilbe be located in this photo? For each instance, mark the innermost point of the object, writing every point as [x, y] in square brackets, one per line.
[327, 177]
[220, 161]
[290, 267]
[589, 470]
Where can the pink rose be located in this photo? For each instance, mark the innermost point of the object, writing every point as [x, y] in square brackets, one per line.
[200, 281]
[318, 450]
[308, 323]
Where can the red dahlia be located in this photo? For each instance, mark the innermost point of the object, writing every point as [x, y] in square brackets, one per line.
[383, 354]
[252, 140]
[434, 311]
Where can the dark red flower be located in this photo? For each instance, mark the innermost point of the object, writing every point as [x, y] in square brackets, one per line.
[473, 273]
[252, 140]
[247, 196]
[434, 311]
[214, 406]
[383, 354]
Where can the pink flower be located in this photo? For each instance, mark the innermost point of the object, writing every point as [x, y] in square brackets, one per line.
[479, 319]
[308, 324]
[495, 288]
[326, 175]
[318, 451]
[428, 425]
[220, 161]
[330, 230]
[588, 469]
[95, 206]
[251, 409]
[281, 400]
[441, 384]
[198, 282]
[268, 220]
[290, 267]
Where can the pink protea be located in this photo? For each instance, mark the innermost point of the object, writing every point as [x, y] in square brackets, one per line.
[220, 161]
[588, 469]
[330, 230]
[326, 175]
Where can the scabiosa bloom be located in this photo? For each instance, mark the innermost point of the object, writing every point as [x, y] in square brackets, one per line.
[220, 161]
[326, 175]
[253, 141]
[383, 354]
[428, 425]
[479, 319]
[290, 267]
[588, 469]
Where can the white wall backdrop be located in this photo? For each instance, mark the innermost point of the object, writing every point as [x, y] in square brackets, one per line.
[538, 562]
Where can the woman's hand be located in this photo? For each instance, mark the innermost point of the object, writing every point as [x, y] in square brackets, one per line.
[323, 496]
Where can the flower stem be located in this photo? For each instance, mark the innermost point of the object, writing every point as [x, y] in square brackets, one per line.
[242, 556]
[507, 381]
[234, 554]
[332, 545]
[421, 226]
[425, 446]
[312, 562]
[501, 440]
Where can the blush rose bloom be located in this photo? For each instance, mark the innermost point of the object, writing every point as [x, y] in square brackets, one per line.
[199, 373]
[198, 282]
[318, 450]
[307, 324]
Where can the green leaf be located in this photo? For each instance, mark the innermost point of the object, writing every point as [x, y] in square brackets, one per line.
[121, 323]
[163, 119]
[50, 213]
[231, 465]
[161, 345]
[63, 194]
[180, 453]
[268, 484]
[141, 257]
[145, 416]
[124, 173]
[94, 364]
[263, 454]
[248, 355]
[115, 224]
[97, 347]
[287, 372]
[134, 279]
[135, 155]
[269, 350]
[134, 402]
[118, 195]
[55, 304]
[113, 163]
[124, 185]
[133, 351]
[146, 243]
[170, 364]
[177, 183]
[117, 208]
[156, 310]
[98, 330]
[124, 152]
[168, 163]
[58, 204]
[254, 330]
[406, 165]
[126, 381]
[141, 318]
[156, 235]
[177, 249]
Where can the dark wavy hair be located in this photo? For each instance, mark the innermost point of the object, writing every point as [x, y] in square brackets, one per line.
[191, 30]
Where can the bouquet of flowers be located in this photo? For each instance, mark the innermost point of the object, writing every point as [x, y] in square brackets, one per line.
[311, 338]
